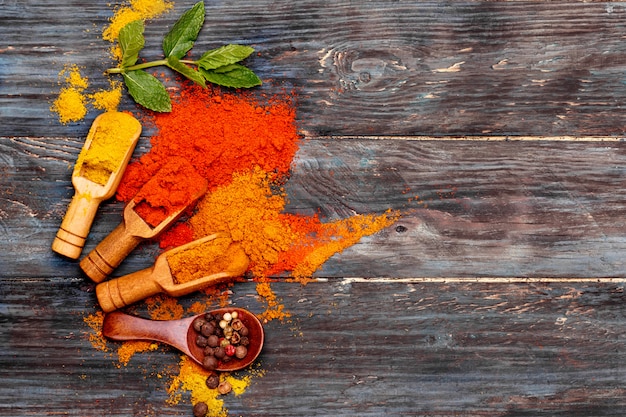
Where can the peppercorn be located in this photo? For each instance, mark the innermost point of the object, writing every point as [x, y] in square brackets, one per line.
[244, 341]
[224, 387]
[213, 340]
[241, 352]
[209, 351]
[200, 409]
[236, 324]
[212, 381]
[230, 350]
[244, 331]
[207, 329]
[227, 316]
[198, 323]
[219, 352]
[210, 363]
[201, 341]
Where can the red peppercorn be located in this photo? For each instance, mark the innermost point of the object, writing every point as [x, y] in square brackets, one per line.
[230, 350]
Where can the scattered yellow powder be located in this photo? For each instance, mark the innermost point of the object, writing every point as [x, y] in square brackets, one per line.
[192, 378]
[135, 10]
[108, 100]
[70, 105]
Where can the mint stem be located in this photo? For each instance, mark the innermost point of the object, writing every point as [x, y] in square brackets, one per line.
[145, 65]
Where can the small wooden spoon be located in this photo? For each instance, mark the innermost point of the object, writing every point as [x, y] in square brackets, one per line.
[125, 290]
[181, 334]
[114, 248]
[72, 234]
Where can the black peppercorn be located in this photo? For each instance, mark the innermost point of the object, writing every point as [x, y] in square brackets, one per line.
[207, 329]
[213, 381]
[209, 351]
[198, 323]
[213, 340]
[201, 341]
[210, 363]
[241, 352]
[200, 409]
[219, 352]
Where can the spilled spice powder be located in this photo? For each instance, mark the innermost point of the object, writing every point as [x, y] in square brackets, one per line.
[219, 134]
[71, 104]
[108, 100]
[134, 10]
[192, 379]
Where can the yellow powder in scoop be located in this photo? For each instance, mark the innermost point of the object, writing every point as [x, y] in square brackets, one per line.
[110, 142]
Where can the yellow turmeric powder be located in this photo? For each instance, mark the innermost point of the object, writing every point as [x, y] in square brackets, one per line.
[109, 144]
[108, 100]
[135, 10]
[71, 105]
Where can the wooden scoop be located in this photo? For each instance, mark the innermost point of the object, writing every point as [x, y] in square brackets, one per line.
[128, 289]
[112, 250]
[181, 334]
[71, 236]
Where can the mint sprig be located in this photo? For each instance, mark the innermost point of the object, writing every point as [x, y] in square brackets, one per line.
[218, 66]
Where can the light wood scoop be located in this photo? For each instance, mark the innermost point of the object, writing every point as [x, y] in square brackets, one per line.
[181, 334]
[72, 234]
[128, 289]
[114, 248]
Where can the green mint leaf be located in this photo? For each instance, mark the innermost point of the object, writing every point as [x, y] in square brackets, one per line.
[233, 75]
[148, 91]
[131, 41]
[180, 39]
[190, 73]
[225, 55]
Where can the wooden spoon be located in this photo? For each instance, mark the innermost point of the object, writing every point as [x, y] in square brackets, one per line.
[112, 250]
[181, 334]
[72, 234]
[125, 290]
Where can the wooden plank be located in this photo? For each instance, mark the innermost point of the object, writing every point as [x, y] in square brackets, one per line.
[554, 210]
[432, 349]
[375, 68]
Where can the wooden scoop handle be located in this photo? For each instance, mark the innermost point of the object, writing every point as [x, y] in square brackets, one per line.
[128, 289]
[72, 234]
[109, 253]
[122, 327]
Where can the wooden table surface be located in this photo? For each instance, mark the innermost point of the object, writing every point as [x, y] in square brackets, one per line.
[502, 294]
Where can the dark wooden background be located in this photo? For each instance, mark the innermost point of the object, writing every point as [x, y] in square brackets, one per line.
[502, 294]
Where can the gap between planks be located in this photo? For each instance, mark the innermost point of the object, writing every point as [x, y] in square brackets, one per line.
[478, 280]
[503, 138]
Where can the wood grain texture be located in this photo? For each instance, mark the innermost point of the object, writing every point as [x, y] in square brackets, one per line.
[494, 127]
[431, 350]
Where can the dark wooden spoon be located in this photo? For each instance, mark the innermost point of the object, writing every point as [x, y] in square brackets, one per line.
[181, 334]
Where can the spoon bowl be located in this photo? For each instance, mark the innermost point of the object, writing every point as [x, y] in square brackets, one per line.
[182, 335]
